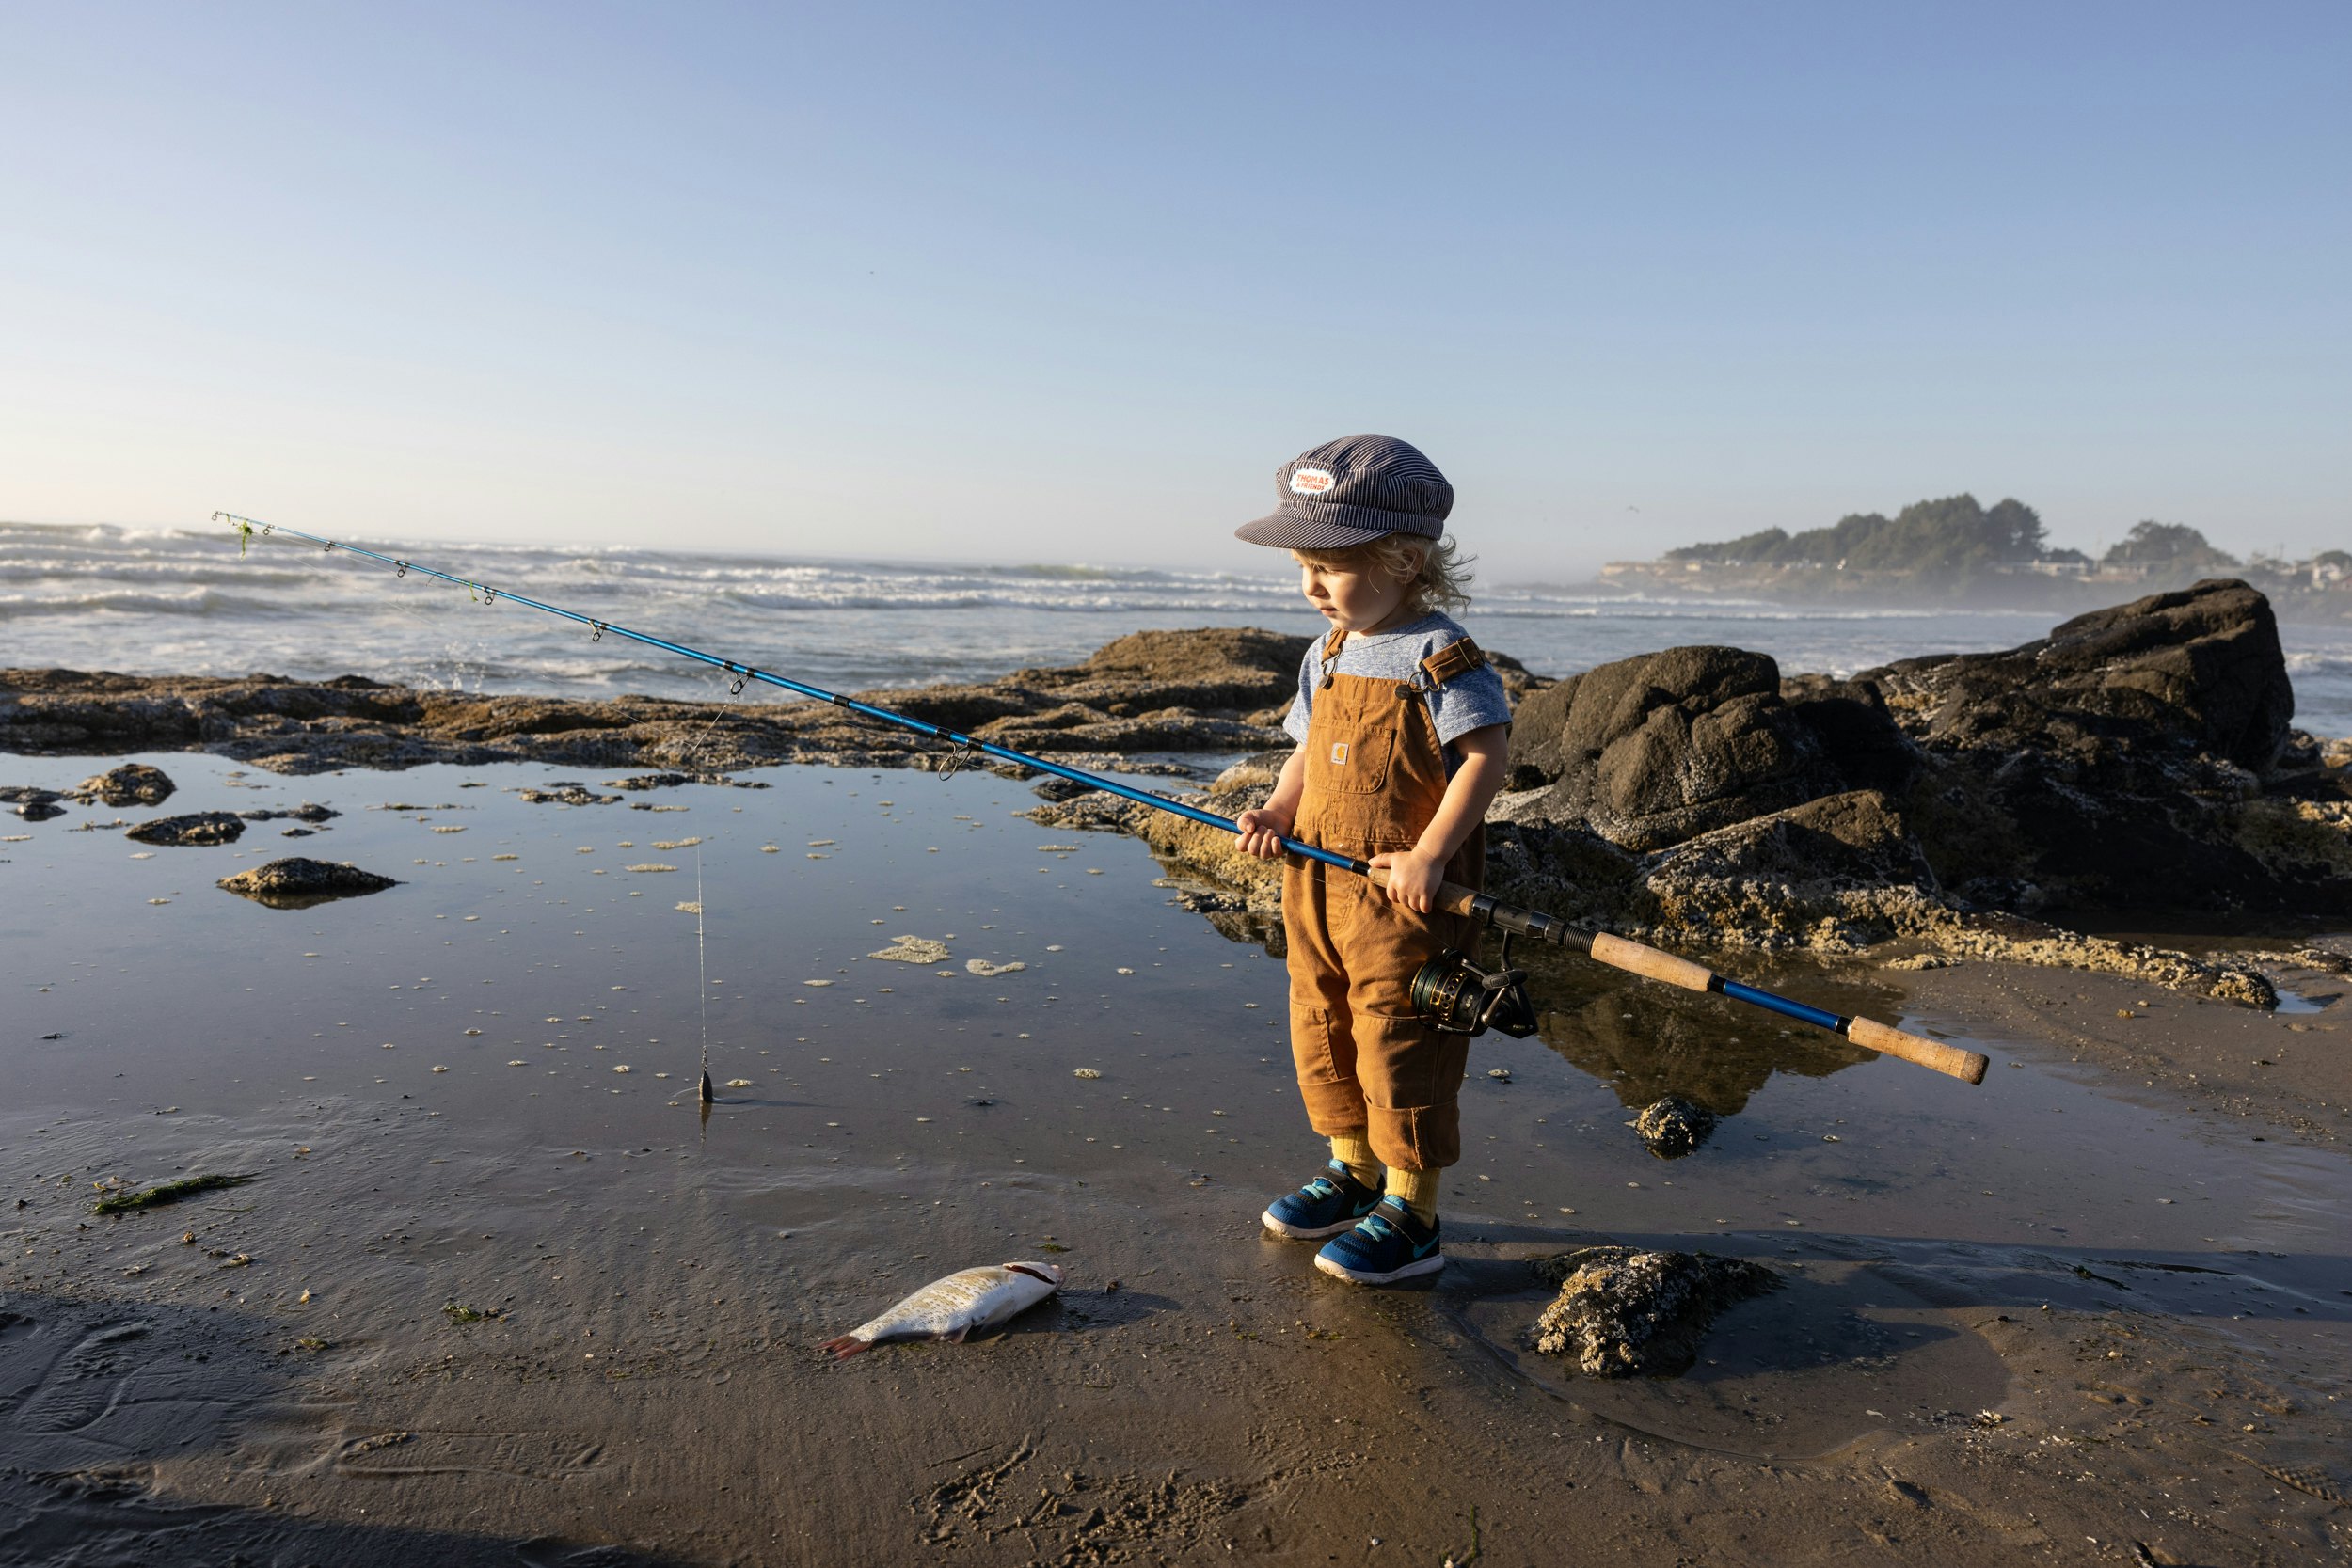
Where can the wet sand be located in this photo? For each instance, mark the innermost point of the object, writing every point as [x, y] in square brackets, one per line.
[2088, 1310]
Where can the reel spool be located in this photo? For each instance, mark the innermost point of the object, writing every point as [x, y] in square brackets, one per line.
[1457, 996]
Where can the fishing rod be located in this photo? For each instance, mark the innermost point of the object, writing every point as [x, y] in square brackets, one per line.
[1456, 993]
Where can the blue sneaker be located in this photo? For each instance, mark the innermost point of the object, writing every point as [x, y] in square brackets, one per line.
[1388, 1245]
[1330, 1204]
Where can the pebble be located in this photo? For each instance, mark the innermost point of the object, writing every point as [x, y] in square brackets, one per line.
[1085, 1072]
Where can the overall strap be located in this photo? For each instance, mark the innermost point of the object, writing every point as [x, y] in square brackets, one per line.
[1454, 659]
[1327, 658]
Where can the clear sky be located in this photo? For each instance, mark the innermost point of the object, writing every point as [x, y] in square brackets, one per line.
[1027, 282]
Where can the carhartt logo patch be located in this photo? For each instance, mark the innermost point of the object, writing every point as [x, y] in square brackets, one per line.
[1339, 753]
[1310, 481]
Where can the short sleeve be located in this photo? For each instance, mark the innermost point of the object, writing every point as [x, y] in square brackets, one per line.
[1470, 701]
[1302, 705]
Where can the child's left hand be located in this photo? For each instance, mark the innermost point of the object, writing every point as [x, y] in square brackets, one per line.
[1413, 879]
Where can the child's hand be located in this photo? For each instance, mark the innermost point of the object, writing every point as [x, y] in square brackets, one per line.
[1262, 832]
[1413, 879]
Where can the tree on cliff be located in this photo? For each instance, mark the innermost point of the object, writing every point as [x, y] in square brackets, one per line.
[1954, 539]
[2172, 547]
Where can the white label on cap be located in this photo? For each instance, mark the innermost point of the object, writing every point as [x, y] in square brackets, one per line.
[1310, 481]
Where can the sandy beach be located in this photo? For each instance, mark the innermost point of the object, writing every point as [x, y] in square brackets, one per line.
[500, 1294]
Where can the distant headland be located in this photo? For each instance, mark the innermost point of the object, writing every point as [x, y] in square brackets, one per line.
[1957, 551]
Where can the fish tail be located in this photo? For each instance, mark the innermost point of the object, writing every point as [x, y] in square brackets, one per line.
[847, 1346]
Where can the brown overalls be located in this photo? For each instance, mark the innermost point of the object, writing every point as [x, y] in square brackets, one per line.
[1375, 777]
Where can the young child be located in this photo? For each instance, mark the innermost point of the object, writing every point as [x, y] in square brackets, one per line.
[1401, 724]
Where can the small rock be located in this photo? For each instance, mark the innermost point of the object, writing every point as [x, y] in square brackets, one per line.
[911, 950]
[1674, 1126]
[134, 784]
[567, 794]
[202, 827]
[1628, 1313]
[297, 882]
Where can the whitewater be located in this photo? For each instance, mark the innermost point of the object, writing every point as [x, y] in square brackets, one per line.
[183, 601]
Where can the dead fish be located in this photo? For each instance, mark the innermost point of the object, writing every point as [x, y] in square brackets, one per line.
[952, 1307]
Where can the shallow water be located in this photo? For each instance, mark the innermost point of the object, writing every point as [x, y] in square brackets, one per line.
[168, 992]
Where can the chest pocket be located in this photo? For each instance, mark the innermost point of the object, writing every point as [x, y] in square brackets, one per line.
[1349, 759]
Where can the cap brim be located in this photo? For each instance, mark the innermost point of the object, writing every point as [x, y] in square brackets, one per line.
[1285, 533]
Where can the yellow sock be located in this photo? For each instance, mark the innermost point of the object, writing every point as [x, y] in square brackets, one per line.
[1417, 1190]
[1350, 1150]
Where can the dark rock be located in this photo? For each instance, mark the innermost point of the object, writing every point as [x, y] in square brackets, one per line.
[307, 812]
[1626, 1313]
[1653, 750]
[297, 882]
[1673, 1127]
[299, 832]
[31, 802]
[200, 828]
[132, 783]
[1856, 733]
[2125, 762]
[2196, 671]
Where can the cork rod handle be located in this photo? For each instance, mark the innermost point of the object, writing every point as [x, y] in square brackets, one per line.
[1651, 965]
[1966, 1065]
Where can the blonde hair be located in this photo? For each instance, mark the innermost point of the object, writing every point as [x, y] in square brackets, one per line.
[1435, 572]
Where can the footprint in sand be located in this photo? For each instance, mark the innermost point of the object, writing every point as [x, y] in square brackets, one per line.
[83, 1383]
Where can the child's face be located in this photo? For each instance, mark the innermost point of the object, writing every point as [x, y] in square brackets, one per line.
[1351, 600]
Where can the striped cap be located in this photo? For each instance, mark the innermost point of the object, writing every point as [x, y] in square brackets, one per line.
[1352, 491]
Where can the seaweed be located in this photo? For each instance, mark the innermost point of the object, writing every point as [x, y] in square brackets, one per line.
[460, 1313]
[169, 1192]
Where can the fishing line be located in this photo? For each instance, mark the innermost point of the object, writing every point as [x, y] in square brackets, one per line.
[702, 969]
[1469, 903]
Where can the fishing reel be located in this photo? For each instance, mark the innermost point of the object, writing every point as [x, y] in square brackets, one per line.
[1454, 994]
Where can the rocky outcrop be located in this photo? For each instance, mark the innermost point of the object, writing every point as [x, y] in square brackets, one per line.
[1208, 690]
[198, 829]
[2138, 758]
[297, 882]
[1626, 1313]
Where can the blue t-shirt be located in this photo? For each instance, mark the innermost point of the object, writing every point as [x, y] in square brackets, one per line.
[1466, 703]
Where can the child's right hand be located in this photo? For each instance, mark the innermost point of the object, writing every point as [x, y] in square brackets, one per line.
[1262, 832]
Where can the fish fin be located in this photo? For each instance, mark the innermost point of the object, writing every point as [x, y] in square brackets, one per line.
[847, 1346]
[956, 1335]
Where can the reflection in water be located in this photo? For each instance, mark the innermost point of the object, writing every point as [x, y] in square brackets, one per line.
[1648, 1041]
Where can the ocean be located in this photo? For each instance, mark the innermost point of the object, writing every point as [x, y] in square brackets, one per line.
[183, 601]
